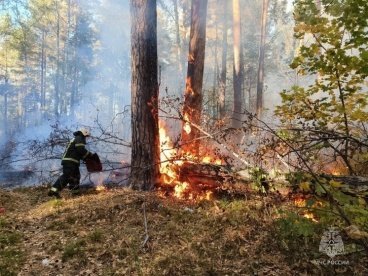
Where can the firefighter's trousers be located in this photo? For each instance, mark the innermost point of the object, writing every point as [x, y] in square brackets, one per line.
[71, 176]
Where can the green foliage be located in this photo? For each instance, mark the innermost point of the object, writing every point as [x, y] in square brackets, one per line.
[295, 178]
[96, 236]
[293, 226]
[330, 114]
[73, 249]
[258, 176]
[358, 214]
[47, 38]
[8, 239]
[296, 233]
[10, 260]
[3, 223]
[323, 195]
[10, 255]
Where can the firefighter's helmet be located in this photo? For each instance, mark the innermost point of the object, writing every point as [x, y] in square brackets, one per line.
[85, 131]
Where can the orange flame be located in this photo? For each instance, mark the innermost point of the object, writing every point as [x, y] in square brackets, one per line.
[169, 167]
[301, 202]
[100, 188]
[310, 216]
[187, 128]
[180, 189]
[188, 89]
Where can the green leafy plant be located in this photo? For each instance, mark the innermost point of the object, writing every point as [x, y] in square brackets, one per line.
[295, 232]
[259, 178]
[329, 117]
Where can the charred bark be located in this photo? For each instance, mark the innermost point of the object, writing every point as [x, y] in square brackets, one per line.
[193, 92]
[144, 85]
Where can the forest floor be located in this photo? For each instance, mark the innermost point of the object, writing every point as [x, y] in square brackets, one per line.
[101, 233]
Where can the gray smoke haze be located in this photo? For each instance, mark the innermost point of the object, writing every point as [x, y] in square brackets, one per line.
[105, 103]
[104, 106]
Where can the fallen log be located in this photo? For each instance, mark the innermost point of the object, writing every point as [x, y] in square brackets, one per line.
[356, 186]
[352, 180]
[204, 174]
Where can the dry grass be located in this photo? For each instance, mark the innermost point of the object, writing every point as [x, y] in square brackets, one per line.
[102, 234]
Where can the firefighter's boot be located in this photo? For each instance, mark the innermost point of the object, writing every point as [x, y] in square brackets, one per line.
[54, 192]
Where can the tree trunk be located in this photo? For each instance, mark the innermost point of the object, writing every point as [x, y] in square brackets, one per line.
[238, 67]
[222, 84]
[65, 84]
[193, 91]
[6, 110]
[178, 43]
[74, 71]
[214, 98]
[144, 85]
[74, 88]
[43, 61]
[250, 76]
[57, 81]
[260, 75]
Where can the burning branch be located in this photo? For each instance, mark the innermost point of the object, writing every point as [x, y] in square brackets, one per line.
[237, 156]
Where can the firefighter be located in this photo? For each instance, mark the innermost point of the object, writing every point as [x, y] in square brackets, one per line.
[75, 152]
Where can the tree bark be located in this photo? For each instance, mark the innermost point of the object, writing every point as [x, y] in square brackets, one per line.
[238, 67]
[179, 59]
[214, 99]
[57, 81]
[6, 110]
[43, 65]
[193, 91]
[222, 84]
[144, 85]
[260, 75]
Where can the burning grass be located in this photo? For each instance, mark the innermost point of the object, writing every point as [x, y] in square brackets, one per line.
[101, 233]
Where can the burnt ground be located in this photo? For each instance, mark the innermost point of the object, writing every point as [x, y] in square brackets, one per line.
[101, 233]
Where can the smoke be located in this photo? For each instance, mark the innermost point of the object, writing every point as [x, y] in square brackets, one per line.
[105, 98]
[104, 104]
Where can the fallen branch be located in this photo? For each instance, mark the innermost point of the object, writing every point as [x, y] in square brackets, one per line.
[237, 156]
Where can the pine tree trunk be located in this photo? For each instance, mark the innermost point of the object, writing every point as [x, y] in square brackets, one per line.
[43, 61]
[6, 109]
[238, 67]
[222, 85]
[193, 91]
[260, 75]
[214, 97]
[144, 85]
[74, 71]
[178, 43]
[57, 81]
